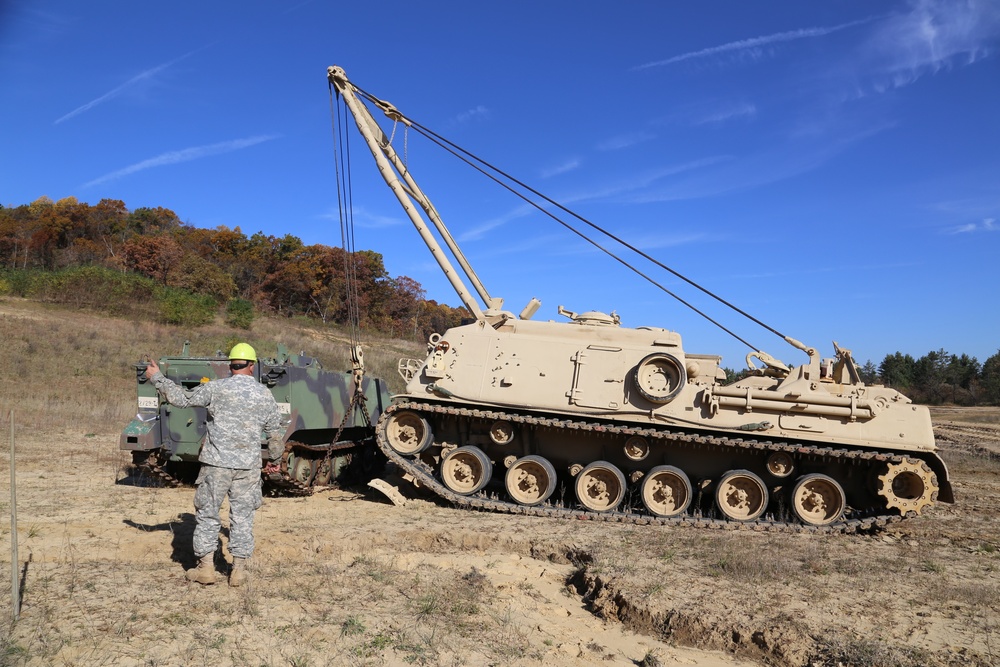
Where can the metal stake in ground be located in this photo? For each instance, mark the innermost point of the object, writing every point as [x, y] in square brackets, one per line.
[15, 591]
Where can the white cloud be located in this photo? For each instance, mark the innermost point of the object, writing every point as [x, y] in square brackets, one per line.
[365, 219]
[567, 166]
[753, 44]
[642, 182]
[475, 113]
[111, 94]
[658, 240]
[633, 183]
[184, 155]
[986, 225]
[624, 141]
[744, 109]
[479, 231]
[932, 35]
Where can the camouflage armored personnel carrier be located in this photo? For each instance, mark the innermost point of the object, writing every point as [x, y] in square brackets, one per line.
[330, 432]
[505, 411]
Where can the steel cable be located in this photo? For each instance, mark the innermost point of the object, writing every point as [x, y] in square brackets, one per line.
[494, 173]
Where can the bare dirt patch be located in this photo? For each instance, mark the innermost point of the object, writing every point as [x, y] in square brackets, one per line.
[343, 577]
[339, 578]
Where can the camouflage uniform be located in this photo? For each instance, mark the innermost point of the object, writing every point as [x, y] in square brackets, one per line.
[239, 408]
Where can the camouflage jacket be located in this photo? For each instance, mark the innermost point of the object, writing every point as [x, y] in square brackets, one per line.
[239, 408]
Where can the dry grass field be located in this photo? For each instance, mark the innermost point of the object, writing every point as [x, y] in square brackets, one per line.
[345, 578]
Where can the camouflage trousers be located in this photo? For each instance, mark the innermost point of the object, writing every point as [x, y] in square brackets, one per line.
[243, 489]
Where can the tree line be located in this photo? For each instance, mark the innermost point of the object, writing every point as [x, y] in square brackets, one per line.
[939, 377]
[146, 262]
[51, 249]
[936, 378]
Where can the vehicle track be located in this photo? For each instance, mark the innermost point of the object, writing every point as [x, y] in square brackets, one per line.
[424, 474]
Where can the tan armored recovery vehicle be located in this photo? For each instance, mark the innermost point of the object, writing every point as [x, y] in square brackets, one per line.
[590, 419]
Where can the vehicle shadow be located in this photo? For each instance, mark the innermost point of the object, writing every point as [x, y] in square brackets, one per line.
[135, 476]
[140, 479]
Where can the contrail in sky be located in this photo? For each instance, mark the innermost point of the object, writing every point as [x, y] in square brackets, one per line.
[185, 155]
[142, 76]
[754, 42]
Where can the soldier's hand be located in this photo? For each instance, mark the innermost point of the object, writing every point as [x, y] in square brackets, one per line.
[152, 368]
[276, 447]
[271, 467]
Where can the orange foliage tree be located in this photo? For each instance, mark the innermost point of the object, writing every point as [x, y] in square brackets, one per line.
[277, 274]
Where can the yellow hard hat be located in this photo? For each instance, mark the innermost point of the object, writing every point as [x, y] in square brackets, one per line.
[242, 352]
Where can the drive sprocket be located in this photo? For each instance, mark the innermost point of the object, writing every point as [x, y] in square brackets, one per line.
[909, 486]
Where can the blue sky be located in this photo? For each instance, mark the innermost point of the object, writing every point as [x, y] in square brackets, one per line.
[833, 169]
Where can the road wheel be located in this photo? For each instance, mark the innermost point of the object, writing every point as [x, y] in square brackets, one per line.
[530, 480]
[600, 487]
[666, 491]
[300, 469]
[818, 500]
[466, 470]
[741, 495]
[324, 471]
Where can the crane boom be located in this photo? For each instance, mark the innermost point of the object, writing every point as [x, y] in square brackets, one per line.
[591, 405]
[393, 170]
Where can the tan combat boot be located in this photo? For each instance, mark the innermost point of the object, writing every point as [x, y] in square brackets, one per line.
[204, 572]
[239, 574]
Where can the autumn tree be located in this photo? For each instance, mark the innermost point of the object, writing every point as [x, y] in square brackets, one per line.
[294, 282]
[260, 257]
[197, 274]
[152, 256]
[274, 273]
[109, 225]
[403, 306]
[15, 231]
[150, 221]
[437, 317]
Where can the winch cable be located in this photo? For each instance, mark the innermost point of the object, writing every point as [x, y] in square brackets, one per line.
[486, 169]
[345, 205]
[342, 165]
[597, 245]
[589, 240]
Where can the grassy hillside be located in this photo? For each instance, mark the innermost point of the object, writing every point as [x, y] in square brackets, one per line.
[359, 581]
[63, 368]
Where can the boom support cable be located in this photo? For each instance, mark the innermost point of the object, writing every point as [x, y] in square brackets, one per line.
[492, 172]
[594, 243]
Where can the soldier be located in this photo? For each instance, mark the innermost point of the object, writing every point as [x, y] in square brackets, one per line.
[239, 408]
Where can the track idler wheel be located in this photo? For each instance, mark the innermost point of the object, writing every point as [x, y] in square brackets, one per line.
[908, 486]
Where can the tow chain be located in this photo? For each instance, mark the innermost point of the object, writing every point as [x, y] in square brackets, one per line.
[424, 474]
[283, 478]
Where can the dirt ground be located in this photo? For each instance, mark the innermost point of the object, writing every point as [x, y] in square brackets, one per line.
[345, 578]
